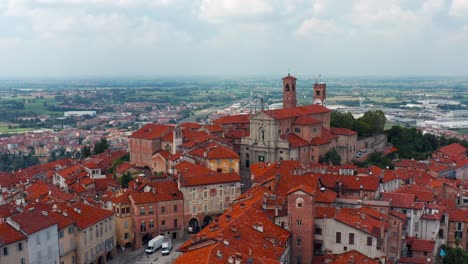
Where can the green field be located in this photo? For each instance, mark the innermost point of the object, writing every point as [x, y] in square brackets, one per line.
[17, 130]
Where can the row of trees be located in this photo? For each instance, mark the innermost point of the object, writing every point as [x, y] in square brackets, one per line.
[14, 162]
[371, 123]
[412, 143]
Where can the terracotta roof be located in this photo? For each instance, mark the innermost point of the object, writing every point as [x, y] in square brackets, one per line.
[350, 182]
[193, 175]
[190, 125]
[306, 120]
[9, 235]
[352, 256]
[458, 215]
[85, 215]
[121, 168]
[222, 152]
[420, 192]
[152, 131]
[326, 196]
[289, 77]
[7, 210]
[324, 139]
[41, 221]
[296, 111]
[237, 230]
[361, 220]
[122, 197]
[213, 128]
[342, 131]
[294, 140]
[453, 150]
[143, 198]
[402, 200]
[420, 245]
[37, 190]
[233, 119]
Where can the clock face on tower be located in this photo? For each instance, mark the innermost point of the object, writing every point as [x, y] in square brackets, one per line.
[318, 101]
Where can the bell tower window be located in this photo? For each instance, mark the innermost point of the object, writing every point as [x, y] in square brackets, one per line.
[287, 87]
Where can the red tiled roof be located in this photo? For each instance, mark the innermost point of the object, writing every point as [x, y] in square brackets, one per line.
[237, 134]
[342, 131]
[458, 215]
[324, 139]
[7, 210]
[294, 140]
[121, 168]
[233, 119]
[9, 235]
[152, 131]
[361, 220]
[349, 257]
[296, 111]
[37, 190]
[326, 196]
[402, 200]
[85, 215]
[420, 245]
[233, 232]
[193, 175]
[41, 221]
[366, 183]
[190, 125]
[222, 152]
[143, 198]
[306, 120]
[453, 150]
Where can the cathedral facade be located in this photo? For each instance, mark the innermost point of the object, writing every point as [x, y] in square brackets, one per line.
[296, 132]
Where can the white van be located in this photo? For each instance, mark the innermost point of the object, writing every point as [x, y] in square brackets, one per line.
[154, 244]
[166, 246]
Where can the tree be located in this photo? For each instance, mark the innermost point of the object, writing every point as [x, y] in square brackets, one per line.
[125, 179]
[85, 152]
[333, 157]
[376, 121]
[455, 256]
[345, 120]
[100, 146]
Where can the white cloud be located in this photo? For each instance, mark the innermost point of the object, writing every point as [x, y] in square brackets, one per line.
[224, 10]
[317, 28]
[459, 8]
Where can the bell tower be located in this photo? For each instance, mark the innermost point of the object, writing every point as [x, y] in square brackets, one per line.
[289, 92]
[320, 93]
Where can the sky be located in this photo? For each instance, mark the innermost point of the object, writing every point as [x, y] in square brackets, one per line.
[75, 38]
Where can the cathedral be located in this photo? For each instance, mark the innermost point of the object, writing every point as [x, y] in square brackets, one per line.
[296, 132]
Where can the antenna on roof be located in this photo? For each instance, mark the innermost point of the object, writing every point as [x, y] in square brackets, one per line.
[317, 80]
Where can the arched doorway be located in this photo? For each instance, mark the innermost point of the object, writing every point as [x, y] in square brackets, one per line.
[109, 256]
[146, 238]
[101, 260]
[128, 245]
[207, 220]
[193, 226]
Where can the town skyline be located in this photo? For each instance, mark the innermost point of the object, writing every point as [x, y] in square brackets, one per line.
[159, 38]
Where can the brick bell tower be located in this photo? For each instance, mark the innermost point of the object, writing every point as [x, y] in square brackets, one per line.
[320, 93]
[289, 92]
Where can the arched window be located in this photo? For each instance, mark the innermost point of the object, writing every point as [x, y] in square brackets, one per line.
[287, 87]
[299, 202]
[293, 87]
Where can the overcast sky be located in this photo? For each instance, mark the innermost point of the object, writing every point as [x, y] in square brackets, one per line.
[232, 37]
